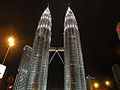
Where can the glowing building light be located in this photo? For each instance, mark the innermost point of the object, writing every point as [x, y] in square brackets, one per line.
[24, 48]
[118, 29]
[11, 87]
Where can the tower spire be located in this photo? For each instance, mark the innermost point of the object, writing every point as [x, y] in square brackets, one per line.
[46, 11]
[46, 15]
[48, 5]
[69, 13]
[68, 4]
[70, 20]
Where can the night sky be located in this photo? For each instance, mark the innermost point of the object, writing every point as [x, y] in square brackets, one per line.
[97, 20]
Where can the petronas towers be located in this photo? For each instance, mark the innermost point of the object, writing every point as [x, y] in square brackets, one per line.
[33, 67]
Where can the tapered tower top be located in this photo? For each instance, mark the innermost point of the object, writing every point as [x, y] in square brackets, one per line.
[46, 14]
[45, 20]
[70, 20]
[69, 14]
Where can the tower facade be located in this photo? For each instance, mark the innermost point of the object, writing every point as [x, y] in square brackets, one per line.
[74, 75]
[116, 72]
[39, 59]
[22, 76]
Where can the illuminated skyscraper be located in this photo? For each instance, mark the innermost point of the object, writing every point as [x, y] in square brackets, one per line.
[33, 69]
[74, 77]
[22, 76]
[37, 68]
[116, 72]
[40, 55]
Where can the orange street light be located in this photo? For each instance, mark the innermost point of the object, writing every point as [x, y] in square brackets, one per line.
[11, 43]
[96, 85]
[107, 83]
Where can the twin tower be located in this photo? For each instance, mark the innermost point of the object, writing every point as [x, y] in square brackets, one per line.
[33, 67]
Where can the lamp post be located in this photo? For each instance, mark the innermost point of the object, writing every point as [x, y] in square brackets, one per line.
[11, 43]
[107, 84]
[3, 67]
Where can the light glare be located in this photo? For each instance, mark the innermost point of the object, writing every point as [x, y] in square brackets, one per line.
[107, 83]
[96, 85]
[11, 41]
[11, 44]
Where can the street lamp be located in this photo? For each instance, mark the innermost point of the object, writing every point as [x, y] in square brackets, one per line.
[107, 83]
[11, 43]
[3, 67]
[96, 85]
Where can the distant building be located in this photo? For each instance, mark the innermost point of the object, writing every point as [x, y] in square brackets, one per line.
[116, 72]
[118, 30]
[22, 76]
[90, 82]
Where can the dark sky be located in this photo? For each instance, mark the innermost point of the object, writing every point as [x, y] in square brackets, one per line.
[97, 20]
